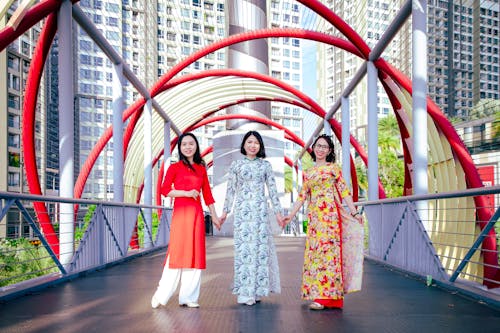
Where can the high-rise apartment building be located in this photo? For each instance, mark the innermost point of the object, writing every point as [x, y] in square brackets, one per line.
[127, 26]
[184, 27]
[463, 54]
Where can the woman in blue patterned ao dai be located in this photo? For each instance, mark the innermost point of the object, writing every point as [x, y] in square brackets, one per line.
[256, 271]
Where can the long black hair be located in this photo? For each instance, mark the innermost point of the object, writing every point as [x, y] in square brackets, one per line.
[331, 156]
[262, 151]
[197, 155]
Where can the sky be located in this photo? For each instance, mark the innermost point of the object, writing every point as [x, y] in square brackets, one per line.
[309, 83]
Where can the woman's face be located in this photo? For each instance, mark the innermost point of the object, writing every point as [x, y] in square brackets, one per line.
[321, 149]
[188, 147]
[251, 146]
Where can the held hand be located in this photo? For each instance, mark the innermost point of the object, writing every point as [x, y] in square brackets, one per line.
[279, 218]
[216, 221]
[358, 217]
[286, 219]
[223, 218]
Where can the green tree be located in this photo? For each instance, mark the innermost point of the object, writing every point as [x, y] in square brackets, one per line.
[362, 175]
[289, 173]
[288, 179]
[141, 226]
[391, 165]
[485, 108]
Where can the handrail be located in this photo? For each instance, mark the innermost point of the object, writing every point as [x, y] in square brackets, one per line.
[442, 195]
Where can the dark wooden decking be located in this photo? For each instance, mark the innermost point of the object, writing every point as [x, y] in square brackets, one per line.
[117, 299]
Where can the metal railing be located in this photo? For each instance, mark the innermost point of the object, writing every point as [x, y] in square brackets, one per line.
[104, 233]
[444, 244]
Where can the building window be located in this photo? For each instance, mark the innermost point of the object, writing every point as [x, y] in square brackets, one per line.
[14, 121]
[14, 82]
[13, 102]
[13, 63]
[14, 179]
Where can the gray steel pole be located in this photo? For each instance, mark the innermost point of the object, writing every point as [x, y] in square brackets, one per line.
[372, 132]
[346, 136]
[118, 107]
[166, 149]
[419, 104]
[66, 132]
[148, 170]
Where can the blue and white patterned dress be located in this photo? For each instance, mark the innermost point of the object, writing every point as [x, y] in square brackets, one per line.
[256, 271]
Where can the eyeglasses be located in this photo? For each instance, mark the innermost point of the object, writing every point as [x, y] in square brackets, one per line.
[322, 147]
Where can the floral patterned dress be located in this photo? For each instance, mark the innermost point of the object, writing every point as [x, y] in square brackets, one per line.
[256, 271]
[322, 276]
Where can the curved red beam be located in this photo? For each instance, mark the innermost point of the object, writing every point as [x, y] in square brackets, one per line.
[246, 36]
[28, 134]
[33, 15]
[341, 25]
[28, 138]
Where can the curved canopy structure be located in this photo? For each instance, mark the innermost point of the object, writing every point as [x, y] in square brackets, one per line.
[190, 98]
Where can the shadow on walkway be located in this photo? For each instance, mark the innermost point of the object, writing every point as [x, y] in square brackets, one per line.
[118, 299]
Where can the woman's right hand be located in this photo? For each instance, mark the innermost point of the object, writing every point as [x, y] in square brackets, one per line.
[192, 194]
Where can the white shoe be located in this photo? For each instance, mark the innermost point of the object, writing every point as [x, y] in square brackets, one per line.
[316, 306]
[250, 302]
[191, 305]
[155, 303]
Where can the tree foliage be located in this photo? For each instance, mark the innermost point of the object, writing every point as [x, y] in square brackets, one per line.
[485, 108]
[306, 161]
[391, 165]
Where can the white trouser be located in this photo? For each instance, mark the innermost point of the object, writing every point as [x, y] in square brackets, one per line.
[190, 284]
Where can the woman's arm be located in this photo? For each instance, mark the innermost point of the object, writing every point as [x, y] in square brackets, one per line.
[295, 209]
[230, 192]
[182, 193]
[273, 193]
[215, 219]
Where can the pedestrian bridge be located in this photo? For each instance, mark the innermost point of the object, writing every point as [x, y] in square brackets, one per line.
[118, 299]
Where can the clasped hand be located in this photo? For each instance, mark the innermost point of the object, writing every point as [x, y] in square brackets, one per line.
[192, 194]
[283, 220]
